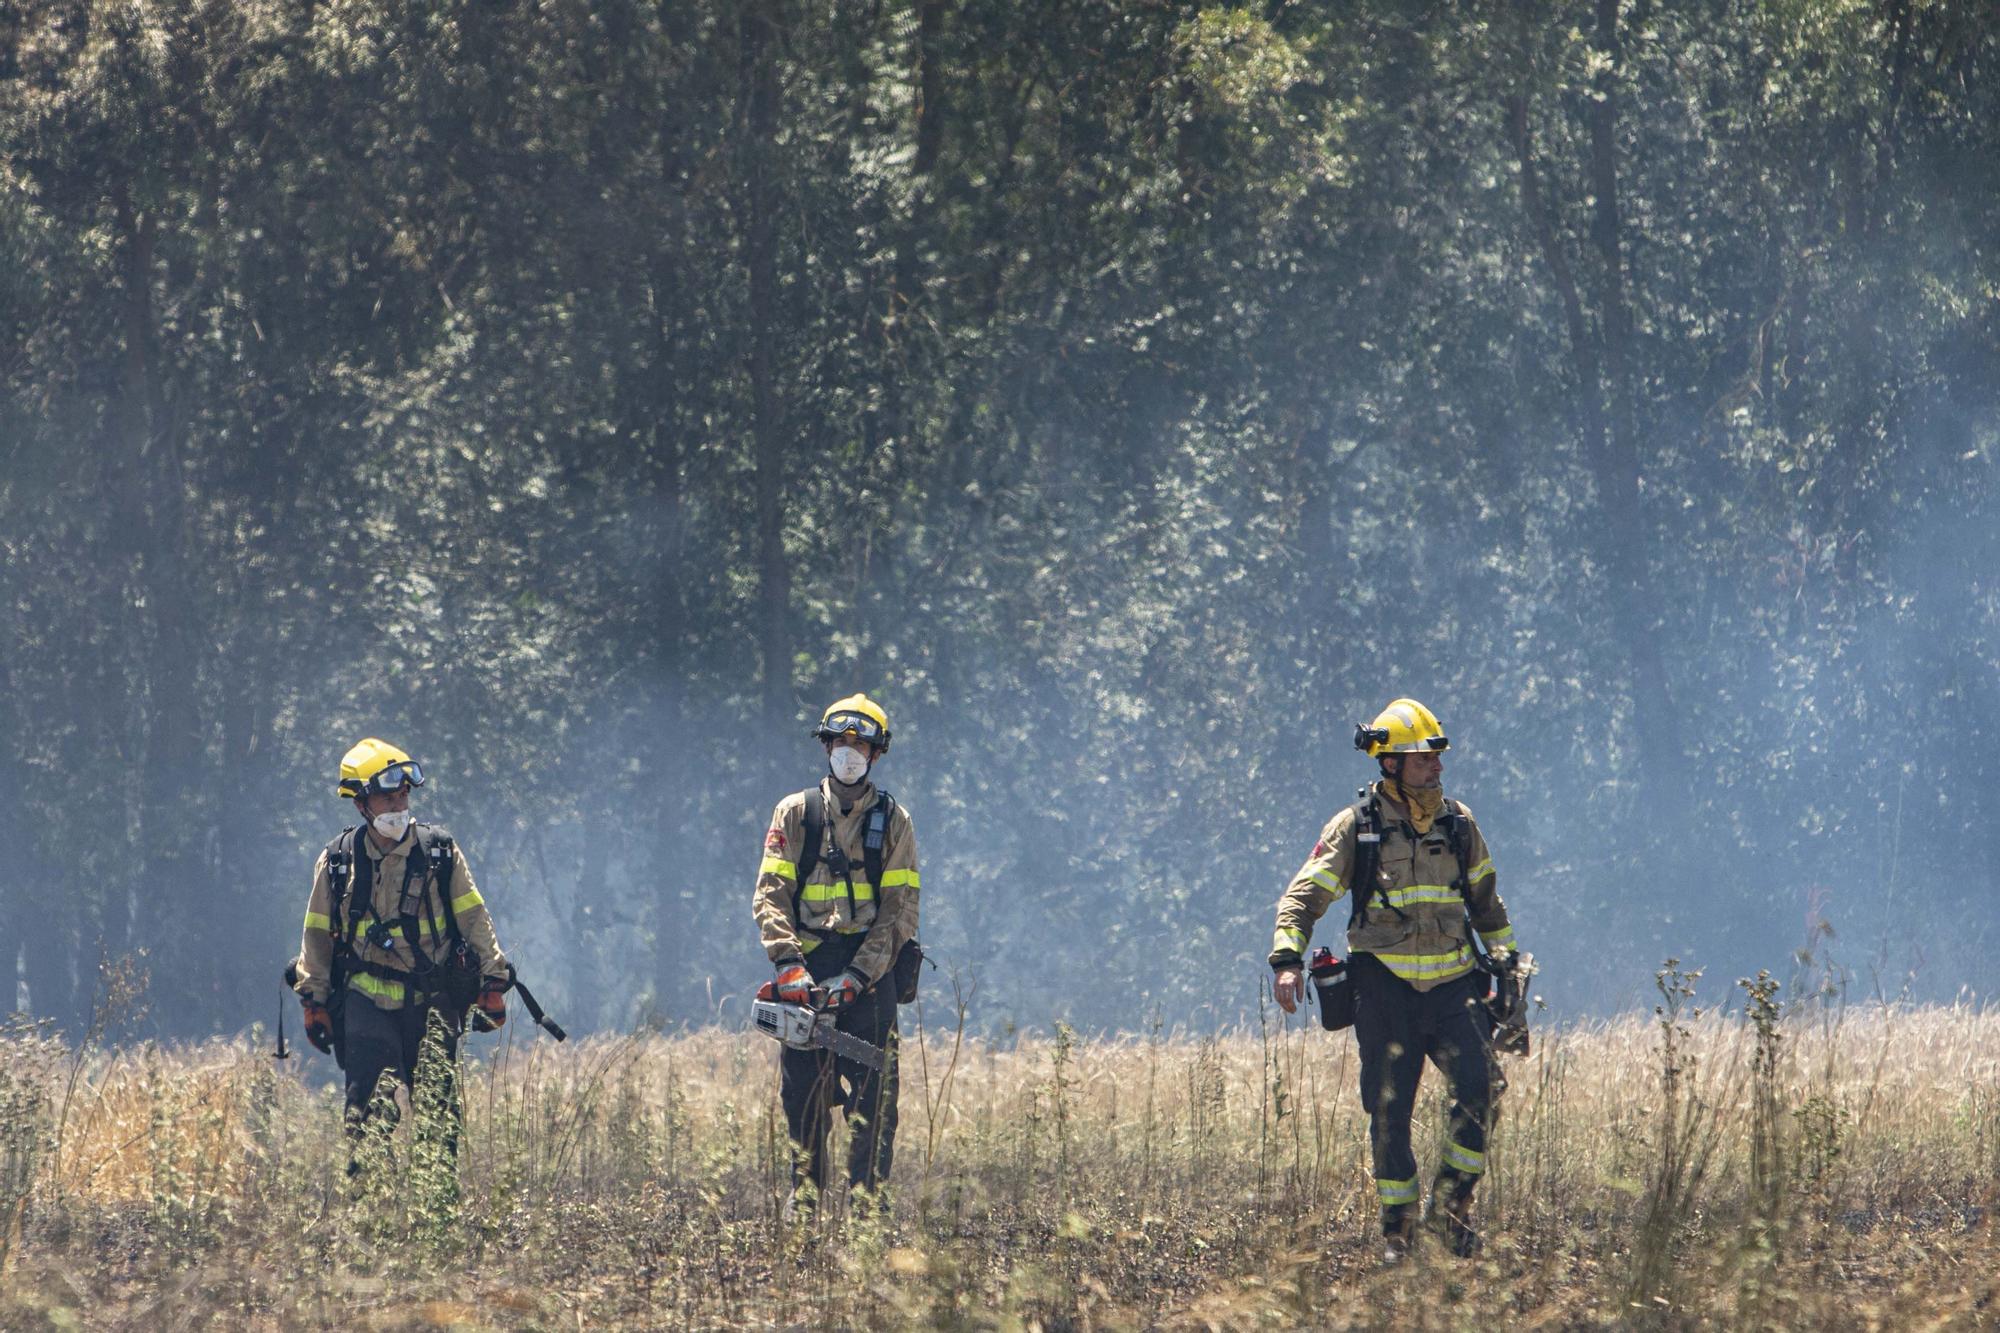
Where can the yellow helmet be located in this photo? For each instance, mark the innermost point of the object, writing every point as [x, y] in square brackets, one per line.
[1404, 727]
[857, 715]
[377, 766]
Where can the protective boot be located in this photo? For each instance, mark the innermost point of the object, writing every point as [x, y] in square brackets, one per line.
[1449, 1214]
[1399, 1233]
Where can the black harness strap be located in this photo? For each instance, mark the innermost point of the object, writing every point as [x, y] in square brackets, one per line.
[1368, 854]
[874, 840]
[1367, 858]
[351, 873]
[352, 878]
[352, 885]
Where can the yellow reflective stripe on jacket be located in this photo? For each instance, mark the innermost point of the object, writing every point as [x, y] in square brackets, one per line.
[1283, 939]
[900, 879]
[470, 898]
[1428, 966]
[395, 931]
[864, 892]
[1327, 882]
[773, 866]
[380, 987]
[1502, 938]
[1421, 893]
[318, 921]
[1480, 871]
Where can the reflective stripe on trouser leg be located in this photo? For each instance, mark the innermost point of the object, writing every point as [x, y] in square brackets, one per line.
[1464, 1160]
[1392, 1060]
[1460, 1047]
[1394, 1192]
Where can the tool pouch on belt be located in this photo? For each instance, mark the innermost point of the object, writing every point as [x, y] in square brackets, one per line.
[456, 980]
[909, 967]
[1335, 989]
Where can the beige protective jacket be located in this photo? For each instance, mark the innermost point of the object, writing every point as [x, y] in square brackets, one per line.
[1416, 924]
[886, 912]
[386, 890]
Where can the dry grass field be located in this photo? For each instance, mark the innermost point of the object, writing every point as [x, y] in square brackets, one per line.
[1817, 1168]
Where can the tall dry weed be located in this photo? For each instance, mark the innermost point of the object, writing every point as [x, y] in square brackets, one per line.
[1782, 1166]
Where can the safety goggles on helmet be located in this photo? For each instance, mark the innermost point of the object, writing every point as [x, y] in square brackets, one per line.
[408, 773]
[837, 725]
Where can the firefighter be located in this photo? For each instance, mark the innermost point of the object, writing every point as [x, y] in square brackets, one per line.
[829, 927]
[1419, 982]
[396, 936]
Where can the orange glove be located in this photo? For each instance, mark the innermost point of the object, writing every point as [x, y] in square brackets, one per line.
[492, 1010]
[846, 990]
[794, 983]
[319, 1027]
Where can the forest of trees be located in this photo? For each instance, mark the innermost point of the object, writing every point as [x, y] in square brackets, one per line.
[1131, 395]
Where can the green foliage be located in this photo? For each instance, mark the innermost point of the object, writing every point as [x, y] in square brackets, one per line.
[1130, 395]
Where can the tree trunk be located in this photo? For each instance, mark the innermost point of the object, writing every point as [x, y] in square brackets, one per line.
[1890, 141]
[1615, 459]
[176, 826]
[1608, 430]
[923, 167]
[759, 27]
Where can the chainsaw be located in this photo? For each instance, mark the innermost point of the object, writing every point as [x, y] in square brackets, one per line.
[809, 1026]
[1507, 1001]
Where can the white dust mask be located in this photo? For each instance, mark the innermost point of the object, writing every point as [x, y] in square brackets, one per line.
[392, 824]
[847, 764]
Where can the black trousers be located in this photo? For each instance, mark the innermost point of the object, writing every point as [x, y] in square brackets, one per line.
[810, 1083]
[1398, 1028]
[377, 1041]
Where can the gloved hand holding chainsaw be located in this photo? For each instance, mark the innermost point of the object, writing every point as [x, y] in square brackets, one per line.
[803, 1016]
[1509, 1002]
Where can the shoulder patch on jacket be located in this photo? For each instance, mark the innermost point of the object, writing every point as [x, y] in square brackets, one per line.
[774, 841]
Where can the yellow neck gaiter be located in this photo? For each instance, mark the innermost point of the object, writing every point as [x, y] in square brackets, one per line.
[1422, 803]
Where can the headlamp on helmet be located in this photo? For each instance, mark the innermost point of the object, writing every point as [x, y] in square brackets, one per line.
[1404, 727]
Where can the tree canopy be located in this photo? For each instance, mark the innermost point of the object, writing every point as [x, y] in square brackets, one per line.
[1130, 395]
